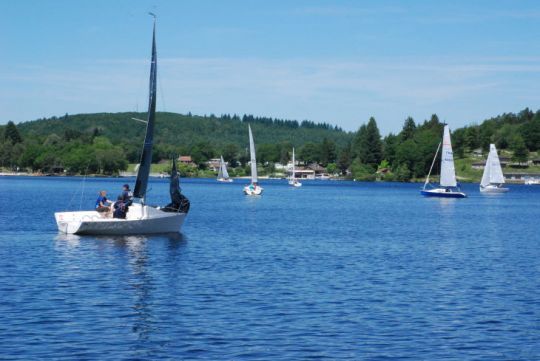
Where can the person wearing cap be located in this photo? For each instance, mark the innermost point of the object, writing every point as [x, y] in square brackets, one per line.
[127, 195]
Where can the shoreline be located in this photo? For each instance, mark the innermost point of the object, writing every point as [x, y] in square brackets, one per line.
[416, 181]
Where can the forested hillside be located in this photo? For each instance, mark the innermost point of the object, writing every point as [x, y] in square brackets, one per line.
[106, 143]
[408, 154]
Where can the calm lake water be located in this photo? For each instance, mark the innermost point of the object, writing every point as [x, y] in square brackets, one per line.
[334, 270]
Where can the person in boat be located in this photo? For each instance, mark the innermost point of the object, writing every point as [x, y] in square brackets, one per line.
[102, 203]
[119, 208]
[127, 195]
[253, 186]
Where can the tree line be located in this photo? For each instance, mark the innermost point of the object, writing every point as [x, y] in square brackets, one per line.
[408, 154]
[106, 143]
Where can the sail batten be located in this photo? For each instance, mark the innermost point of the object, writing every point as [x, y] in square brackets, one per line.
[253, 159]
[141, 183]
[448, 172]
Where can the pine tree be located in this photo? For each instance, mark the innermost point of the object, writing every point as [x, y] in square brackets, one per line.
[368, 145]
[409, 127]
[521, 153]
[12, 134]
[328, 152]
[344, 159]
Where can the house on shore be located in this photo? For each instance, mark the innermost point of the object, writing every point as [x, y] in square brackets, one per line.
[185, 159]
[522, 177]
[213, 164]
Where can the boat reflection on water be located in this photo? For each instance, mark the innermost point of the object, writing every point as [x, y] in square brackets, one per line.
[127, 241]
[136, 263]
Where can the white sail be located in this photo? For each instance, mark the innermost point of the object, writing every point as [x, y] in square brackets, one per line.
[223, 169]
[448, 172]
[220, 170]
[487, 171]
[253, 159]
[495, 175]
[293, 175]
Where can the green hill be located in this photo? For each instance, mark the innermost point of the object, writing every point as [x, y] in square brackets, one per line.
[188, 130]
[65, 142]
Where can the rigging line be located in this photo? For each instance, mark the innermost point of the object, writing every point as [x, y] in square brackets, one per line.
[75, 193]
[73, 197]
[432, 163]
[83, 185]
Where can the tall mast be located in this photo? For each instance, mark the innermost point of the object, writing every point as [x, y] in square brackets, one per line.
[141, 182]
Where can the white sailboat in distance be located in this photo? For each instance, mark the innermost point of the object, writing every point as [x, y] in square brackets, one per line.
[223, 175]
[140, 218]
[448, 187]
[253, 189]
[292, 181]
[493, 178]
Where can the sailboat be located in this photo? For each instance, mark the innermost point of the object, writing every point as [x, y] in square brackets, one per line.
[292, 181]
[140, 218]
[448, 187]
[493, 178]
[223, 175]
[253, 189]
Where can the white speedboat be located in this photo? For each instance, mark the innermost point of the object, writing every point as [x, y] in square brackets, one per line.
[448, 187]
[493, 178]
[292, 181]
[223, 175]
[253, 189]
[140, 217]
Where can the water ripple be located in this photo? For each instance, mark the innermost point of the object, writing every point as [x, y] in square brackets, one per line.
[333, 271]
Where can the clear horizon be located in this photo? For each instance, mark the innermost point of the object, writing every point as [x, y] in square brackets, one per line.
[336, 62]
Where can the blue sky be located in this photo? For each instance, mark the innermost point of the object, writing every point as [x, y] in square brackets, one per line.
[333, 61]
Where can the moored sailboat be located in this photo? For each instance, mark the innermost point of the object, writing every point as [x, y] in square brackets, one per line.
[223, 175]
[448, 187]
[493, 178]
[140, 218]
[253, 189]
[292, 181]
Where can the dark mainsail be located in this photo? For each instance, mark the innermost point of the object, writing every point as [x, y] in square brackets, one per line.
[174, 185]
[141, 182]
[179, 202]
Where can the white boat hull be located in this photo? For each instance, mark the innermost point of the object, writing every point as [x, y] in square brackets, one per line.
[140, 220]
[493, 189]
[295, 184]
[257, 191]
[228, 180]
